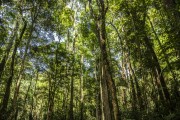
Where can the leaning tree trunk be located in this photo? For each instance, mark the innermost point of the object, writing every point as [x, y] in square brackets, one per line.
[9, 81]
[167, 61]
[157, 69]
[8, 49]
[18, 82]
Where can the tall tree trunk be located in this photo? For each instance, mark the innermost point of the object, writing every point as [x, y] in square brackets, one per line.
[25, 100]
[105, 96]
[18, 82]
[167, 61]
[157, 69]
[105, 76]
[53, 86]
[71, 115]
[50, 100]
[98, 91]
[32, 106]
[81, 89]
[139, 94]
[3, 61]
[133, 98]
[66, 116]
[110, 95]
[9, 81]
[71, 105]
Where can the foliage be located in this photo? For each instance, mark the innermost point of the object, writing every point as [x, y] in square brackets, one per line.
[53, 63]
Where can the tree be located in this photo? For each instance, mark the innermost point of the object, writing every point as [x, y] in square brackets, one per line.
[92, 59]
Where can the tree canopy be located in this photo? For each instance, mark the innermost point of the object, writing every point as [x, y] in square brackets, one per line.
[89, 59]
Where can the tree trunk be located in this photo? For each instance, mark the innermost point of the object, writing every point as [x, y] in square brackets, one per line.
[81, 89]
[3, 61]
[18, 82]
[106, 70]
[25, 100]
[167, 61]
[98, 91]
[9, 81]
[139, 94]
[71, 115]
[133, 99]
[157, 69]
